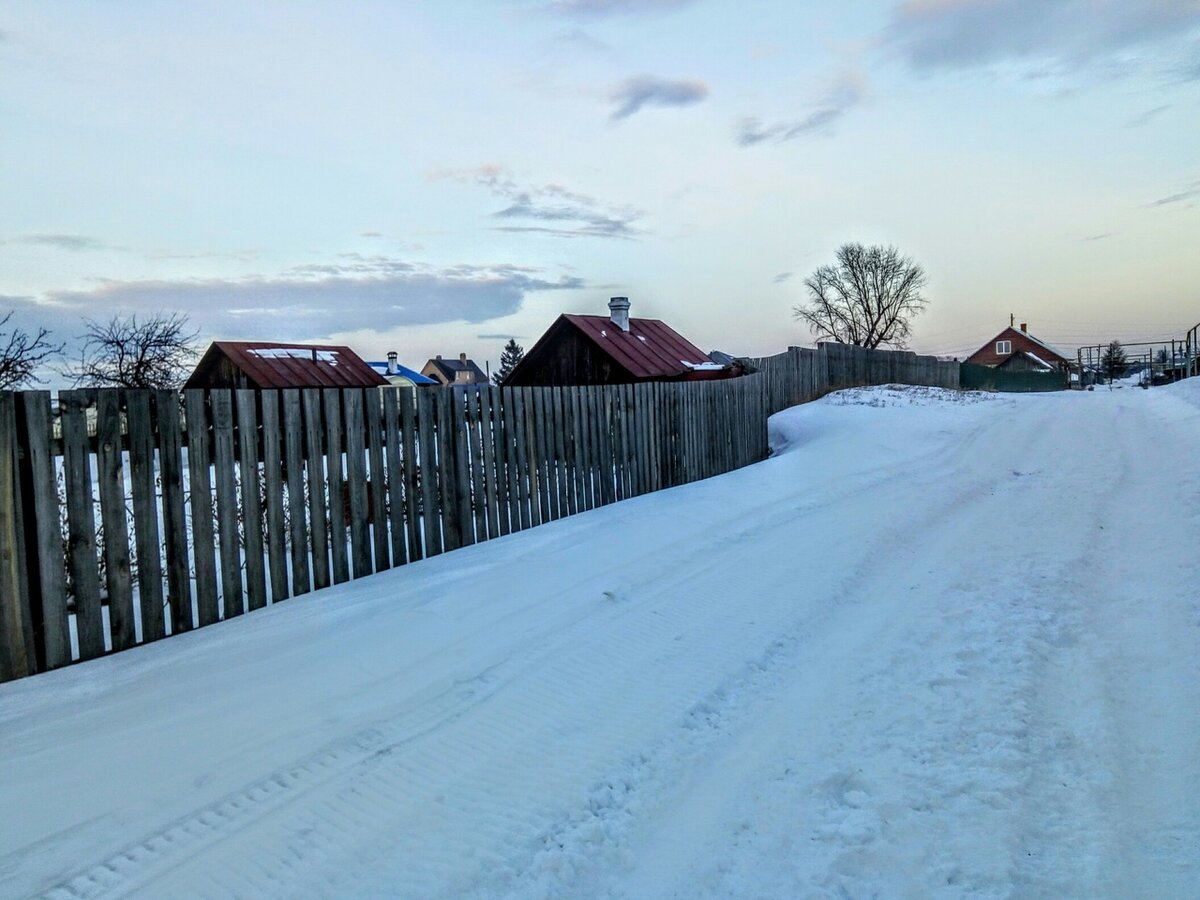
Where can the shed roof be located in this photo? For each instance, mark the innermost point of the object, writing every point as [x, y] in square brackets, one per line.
[650, 349]
[270, 365]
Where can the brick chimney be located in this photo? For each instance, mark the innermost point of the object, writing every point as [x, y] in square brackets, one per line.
[1024, 328]
[618, 311]
[393, 366]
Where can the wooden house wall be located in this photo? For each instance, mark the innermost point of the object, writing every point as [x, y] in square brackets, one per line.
[569, 358]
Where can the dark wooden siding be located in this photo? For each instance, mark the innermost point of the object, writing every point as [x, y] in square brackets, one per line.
[565, 357]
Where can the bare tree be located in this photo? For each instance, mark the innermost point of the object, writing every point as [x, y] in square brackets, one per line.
[155, 352]
[22, 353]
[868, 298]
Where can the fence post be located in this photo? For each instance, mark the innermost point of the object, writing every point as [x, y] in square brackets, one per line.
[16, 660]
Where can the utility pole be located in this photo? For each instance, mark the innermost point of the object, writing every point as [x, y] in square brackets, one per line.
[1012, 320]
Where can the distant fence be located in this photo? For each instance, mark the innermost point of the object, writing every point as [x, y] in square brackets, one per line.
[800, 375]
[989, 378]
[129, 516]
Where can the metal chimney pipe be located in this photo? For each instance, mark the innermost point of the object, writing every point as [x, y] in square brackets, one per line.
[393, 366]
[618, 311]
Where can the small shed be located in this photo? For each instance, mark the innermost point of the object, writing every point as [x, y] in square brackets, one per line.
[262, 365]
[615, 349]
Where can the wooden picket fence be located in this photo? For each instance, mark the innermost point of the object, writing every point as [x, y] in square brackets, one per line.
[129, 516]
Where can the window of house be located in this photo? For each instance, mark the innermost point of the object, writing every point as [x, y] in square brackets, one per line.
[1003, 347]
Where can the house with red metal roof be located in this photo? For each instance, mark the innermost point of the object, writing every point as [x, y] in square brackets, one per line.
[614, 349]
[1019, 351]
[262, 365]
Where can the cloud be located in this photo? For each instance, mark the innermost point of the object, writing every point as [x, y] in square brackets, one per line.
[595, 9]
[73, 242]
[500, 337]
[1149, 115]
[315, 301]
[781, 278]
[646, 90]
[577, 39]
[846, 93]
[1097, 237]
[571, 214]
[1063, 35]
[1187, 193]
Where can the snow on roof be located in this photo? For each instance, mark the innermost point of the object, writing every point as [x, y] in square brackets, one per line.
[1042, 343]
[702, 367]
[325, 356]
[1037, 359]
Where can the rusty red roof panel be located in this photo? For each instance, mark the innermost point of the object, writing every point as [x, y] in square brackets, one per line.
[650, 349]
[272, 365]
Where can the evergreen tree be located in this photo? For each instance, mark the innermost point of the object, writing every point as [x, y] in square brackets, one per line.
[512, 354]
[1113, 363]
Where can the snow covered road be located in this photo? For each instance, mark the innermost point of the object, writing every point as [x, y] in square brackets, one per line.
[942, 645]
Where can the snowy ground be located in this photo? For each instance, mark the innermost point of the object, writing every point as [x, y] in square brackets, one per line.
[939, 646]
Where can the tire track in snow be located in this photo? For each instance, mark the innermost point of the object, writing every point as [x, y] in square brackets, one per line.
[380, 765]
[819, 826]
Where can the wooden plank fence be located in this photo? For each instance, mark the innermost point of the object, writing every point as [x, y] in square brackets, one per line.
[103, 546]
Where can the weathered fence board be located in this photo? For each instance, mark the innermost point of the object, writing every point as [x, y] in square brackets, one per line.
[227, 504]
[377, 478]
[174, 513]
[43, 551]
[356, 482]
[487, 430]
[475, 445]
[431, 508]
[293, 464]
[252, 517]
[17, 656]
[318, 505]
[331, 403]
[395, 476]
[145, 515]
[411, 474]
[277, 553]
[110, 481]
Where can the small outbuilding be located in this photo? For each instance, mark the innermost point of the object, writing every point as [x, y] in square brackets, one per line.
[262, 365]
[615, 349]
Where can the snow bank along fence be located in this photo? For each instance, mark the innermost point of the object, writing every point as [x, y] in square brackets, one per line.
[800, 375]
[184, 510]
[130, 516]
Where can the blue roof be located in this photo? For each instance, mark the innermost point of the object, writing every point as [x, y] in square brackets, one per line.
[415, 377]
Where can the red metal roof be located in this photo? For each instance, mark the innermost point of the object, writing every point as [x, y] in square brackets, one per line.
[650, 349]
[270, 365]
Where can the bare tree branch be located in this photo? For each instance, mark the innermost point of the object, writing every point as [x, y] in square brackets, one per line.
[125, 352]
[22, 354]
[868, 298]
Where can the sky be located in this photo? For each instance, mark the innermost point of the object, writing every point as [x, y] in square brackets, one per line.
[438, 177]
